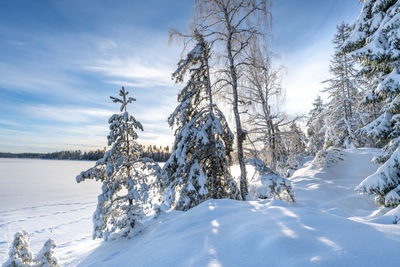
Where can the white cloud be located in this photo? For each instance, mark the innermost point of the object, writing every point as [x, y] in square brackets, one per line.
[68, 113]
[138, 73]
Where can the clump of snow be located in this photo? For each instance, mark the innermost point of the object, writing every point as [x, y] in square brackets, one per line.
[328, 157]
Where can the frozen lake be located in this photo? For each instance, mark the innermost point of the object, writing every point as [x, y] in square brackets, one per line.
[43, 198]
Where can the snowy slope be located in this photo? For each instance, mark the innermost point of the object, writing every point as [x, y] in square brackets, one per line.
[330, 225]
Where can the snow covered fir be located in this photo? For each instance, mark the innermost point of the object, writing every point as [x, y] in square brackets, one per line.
[212, 150]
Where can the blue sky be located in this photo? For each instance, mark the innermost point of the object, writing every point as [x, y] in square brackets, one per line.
[60, 60]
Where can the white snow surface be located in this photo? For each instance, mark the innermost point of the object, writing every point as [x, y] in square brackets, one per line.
[43, 198]
[330, 224]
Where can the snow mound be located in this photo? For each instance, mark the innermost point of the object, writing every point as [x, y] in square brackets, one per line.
[264, 183]
[328, 157]
[330, 225]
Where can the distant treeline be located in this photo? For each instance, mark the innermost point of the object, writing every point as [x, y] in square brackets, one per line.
[157, 153]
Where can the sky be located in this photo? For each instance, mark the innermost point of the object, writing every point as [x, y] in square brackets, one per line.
[61, 60]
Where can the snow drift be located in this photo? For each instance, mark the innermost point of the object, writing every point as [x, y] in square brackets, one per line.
[330, 225]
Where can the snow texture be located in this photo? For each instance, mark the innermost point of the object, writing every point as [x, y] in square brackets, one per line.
[330, 224]
[328, 157]
[267, 184]
[375, 42]
[43, 198]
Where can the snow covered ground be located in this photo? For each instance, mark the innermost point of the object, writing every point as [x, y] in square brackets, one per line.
[330, 225]
[42, 197]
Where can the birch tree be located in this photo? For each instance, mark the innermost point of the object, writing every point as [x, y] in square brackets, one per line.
[234, 25]
[262, 94]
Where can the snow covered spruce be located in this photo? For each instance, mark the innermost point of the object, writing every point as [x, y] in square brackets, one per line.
[316, 127]
[375, 43]
[198, 168]
[21, 256]
[127, 178]
[342, 120]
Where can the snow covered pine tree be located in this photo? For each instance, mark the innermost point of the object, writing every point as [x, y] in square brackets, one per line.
[127, 179]
[315, 127]
[198, 168]
[375, 42]
[46, 256]
[341, 119]
[19, 254]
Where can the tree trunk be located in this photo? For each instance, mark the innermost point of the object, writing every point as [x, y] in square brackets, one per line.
[239, 131]
[213, 178]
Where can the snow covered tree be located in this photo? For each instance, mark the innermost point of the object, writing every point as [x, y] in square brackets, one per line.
[19, 254]
[273, 185]
[46, 257]
[375, 43]
[263, 94]
[295, 142]
[198, 168]
[126, 178]
[315, 127]
[234, 25]
[342, 120]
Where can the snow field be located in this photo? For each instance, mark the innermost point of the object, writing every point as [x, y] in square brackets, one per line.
[330, 224]
[43, 198]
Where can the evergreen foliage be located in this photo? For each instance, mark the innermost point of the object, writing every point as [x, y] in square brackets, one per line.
[295, 142]
[46, 257]
[198, 168]
[126, 178]
[19, 253]
[315, 127]
[234, 25]
[342, 120]
[375, 43]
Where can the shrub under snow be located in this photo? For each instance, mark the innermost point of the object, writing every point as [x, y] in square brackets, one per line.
[20, 255]
[328, 157]
[265, 183]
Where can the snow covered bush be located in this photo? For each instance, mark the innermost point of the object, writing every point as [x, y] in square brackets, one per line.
[267, 184]
[20, 255]
[375, 42]
[46, 257]
[293, 163]
[198, 168]
[129, 182]
[328, 157]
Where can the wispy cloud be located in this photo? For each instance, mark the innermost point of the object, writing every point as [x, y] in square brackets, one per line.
[135, 71]
[68, 113]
